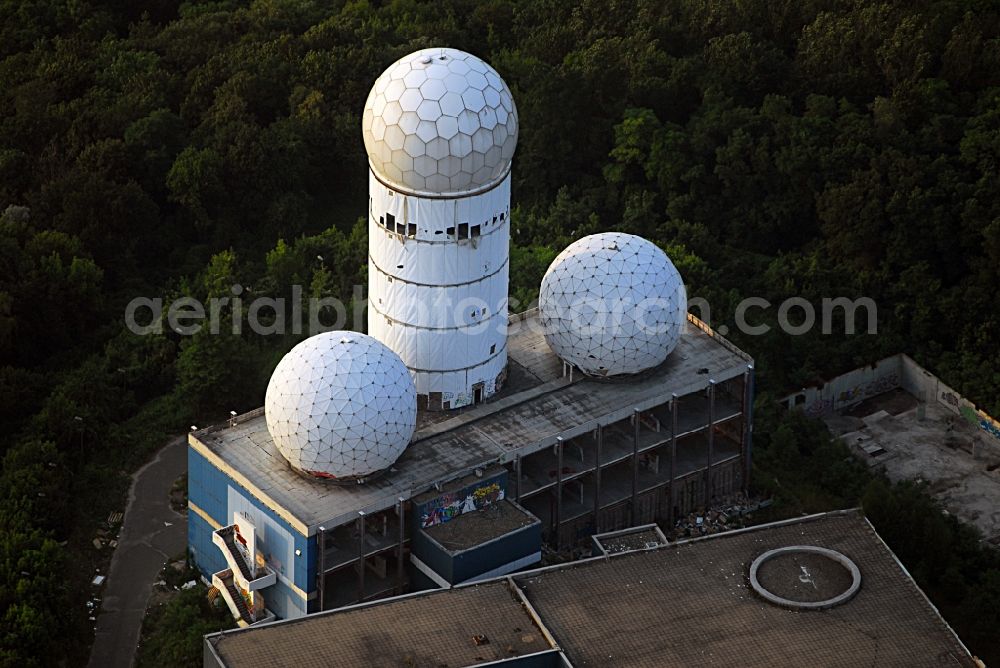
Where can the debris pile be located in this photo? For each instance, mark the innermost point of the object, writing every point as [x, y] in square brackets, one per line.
[724, 517]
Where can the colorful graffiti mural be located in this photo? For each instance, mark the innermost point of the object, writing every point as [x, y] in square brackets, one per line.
[828, 402]
[449, 506]
[990, 426]
[982, 420]
[862, 391]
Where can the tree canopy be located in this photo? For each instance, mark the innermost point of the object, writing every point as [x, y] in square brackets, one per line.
[774, 148]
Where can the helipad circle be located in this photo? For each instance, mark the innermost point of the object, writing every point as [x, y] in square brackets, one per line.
[805, 577]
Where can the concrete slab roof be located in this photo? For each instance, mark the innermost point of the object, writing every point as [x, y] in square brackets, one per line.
[688, 603]
[912, 440]
[475, 529]
[541, 406]
[418, 630]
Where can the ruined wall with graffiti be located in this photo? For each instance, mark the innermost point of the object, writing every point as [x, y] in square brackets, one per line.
[450, 505]
[848, 389]
[899, 370]
[922, 384]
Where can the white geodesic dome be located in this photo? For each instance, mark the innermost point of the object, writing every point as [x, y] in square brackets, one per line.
[341, 405]
[440, 121]
[612, 304]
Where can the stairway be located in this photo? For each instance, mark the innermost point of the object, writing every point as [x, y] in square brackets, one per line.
[236, 599]
[228, 535]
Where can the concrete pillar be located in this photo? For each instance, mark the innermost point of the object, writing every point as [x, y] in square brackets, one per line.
[517, 478]
[320, 566]
[401, 512]
[671, 494]
[748, 379]
[711, 443]
[361, 555]
[559, 476]
[597, 480]
[634, 510]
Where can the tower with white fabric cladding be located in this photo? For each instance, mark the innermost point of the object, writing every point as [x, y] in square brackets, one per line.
[440, 128]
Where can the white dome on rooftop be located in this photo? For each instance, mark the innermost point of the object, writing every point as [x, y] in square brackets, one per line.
[612, 304]
[440, 121]
[341, 405]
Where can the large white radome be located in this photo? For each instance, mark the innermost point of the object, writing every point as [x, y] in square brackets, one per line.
[612, 304]
[440, 121]
[341, 405]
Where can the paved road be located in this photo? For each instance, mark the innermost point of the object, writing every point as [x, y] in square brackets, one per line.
[145, 544]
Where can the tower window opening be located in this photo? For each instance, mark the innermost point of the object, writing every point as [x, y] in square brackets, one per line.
[463, 230]
[390, 221]
[501, 217]
[493, 348]
[381, 221]
[411, 230]
[400, 228]
[451, 231]
[475, 231]
[494, 220]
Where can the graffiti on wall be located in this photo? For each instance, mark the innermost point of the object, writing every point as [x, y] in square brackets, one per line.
[982, 420]
[449, 506]
[861, 391]
[852, 395]
[819, 407]
[990, 426]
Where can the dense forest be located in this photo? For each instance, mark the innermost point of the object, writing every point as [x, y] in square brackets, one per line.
[774, 148]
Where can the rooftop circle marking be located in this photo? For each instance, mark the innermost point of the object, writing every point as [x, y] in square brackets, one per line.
[805, 577]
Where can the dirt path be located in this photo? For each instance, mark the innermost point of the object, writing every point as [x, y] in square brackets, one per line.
[152, 533]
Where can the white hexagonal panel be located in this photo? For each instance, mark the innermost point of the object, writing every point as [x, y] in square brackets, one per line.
[447, 91]
[612, 304]
[341, 405]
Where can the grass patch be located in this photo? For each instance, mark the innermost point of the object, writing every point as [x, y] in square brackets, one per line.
[177, 619]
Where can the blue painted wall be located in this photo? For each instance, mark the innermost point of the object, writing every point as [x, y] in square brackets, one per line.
[473, 562]
[484, 558]
[219, 496]
[207, 557]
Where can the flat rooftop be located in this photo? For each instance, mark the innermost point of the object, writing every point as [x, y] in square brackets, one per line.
[688, 603]
[911, 440]
[538, 405]
[414, 631]
[475, 528]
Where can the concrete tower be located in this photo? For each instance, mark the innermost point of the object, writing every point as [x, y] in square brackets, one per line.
[440, 128]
